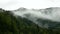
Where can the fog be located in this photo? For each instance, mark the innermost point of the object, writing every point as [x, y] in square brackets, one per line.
[52, 14]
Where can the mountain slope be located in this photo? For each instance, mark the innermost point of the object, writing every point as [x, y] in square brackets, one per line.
[12, 24]
[44, 18]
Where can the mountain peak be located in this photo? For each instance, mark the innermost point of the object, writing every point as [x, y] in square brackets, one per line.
[21, 9]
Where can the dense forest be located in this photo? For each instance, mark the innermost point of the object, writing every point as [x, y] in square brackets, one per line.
[9, 24]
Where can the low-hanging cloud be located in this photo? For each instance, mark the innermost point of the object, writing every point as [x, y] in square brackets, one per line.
[33, 15]
[54, 15]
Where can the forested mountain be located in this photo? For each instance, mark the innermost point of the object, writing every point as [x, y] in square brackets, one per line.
[10, 24]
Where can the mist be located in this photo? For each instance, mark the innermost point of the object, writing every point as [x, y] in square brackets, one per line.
[52, 14]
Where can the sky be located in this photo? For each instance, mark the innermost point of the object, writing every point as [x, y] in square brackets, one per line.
[36, 4]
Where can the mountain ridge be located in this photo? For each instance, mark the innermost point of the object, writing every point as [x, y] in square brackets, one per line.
[49, 14]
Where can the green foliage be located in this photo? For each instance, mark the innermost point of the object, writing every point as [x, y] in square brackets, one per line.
[9, 24]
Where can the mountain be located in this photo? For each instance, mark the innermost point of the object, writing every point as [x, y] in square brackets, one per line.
[21, 9]
[12, 22]
[44, 18]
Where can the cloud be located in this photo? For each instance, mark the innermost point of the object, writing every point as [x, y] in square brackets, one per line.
[54, 15]
[34, 15]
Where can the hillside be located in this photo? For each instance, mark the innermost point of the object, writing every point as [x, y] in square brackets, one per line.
[10, 24]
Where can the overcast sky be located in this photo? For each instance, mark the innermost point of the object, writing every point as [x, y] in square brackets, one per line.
[15, 4]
